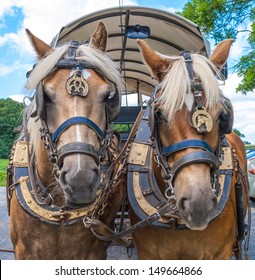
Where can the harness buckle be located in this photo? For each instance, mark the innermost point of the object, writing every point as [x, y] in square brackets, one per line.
[186, 56]
[169, 192]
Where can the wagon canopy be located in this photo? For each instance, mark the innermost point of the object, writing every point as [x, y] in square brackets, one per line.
[169, 34]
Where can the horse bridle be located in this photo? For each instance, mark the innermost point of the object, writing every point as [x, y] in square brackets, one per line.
[49, 139]
[204, 154]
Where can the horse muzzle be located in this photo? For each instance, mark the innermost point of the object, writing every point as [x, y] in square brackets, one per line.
[79, 179]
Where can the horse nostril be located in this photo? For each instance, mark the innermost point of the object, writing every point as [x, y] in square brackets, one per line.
[62, 178]
[96, 170]
[182, 203]
[215, 201]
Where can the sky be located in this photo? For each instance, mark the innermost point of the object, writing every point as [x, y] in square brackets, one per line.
[45, 18]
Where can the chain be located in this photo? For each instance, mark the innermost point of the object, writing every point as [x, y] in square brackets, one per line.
[236, 166]
[109, 188]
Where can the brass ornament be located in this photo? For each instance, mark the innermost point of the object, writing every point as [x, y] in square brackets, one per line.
[202, 121]
[138, 154]
[77, 85]
[20, 157]
[47, 214]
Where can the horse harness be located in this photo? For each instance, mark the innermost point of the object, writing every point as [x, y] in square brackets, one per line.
[144, 195]
[22, 174]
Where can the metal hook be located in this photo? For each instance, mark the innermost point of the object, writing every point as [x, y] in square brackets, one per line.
[169, 192]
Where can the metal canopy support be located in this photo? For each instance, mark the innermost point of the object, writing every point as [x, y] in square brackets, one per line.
[124, 42]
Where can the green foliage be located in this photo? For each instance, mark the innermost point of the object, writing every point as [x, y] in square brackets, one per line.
[237, 132]
[122, 127]
[221, 19]
[10, 117]
[3, 166]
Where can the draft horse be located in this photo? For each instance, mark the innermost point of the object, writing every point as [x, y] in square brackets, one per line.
[55, 166]
[186, 177]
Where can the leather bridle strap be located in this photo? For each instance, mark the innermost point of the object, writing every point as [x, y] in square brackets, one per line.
[195, 157]
[81, 64]
[185, 144]
[74, 121]
[78, 147]
[103, 232]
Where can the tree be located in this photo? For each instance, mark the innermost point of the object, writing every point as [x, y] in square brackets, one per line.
[221, 19]
[10, 117]
[241, 135]
[237, 132]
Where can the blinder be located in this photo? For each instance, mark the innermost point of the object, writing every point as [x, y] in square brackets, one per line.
[39, 103]
[226, 118]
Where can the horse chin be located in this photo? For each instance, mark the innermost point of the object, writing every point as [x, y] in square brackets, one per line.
[79, 187]
[80, 199]
[75, 205]
[194, 226]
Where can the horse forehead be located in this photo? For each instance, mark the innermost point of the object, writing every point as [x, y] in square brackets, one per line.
[85, 73]
[189, 100]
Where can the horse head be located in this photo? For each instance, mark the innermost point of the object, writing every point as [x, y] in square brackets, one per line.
[77, 95]
[190, 113]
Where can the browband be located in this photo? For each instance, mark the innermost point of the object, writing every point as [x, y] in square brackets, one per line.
[77, 120]
[185, 144]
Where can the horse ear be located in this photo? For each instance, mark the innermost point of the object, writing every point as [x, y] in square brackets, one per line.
[221, 52]
[157, 64]
[40, 47]
[99, 38]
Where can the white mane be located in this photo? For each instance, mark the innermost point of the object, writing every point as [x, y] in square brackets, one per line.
[85, 52]
[176, 85]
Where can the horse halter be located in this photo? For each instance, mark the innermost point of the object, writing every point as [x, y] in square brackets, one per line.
[76, 85]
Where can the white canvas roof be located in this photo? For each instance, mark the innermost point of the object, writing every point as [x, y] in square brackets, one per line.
[169, 34]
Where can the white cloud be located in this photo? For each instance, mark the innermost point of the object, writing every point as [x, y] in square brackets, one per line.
[171, 10]
[17, 97]
[46, 20]
[244, 117]
[8, 69]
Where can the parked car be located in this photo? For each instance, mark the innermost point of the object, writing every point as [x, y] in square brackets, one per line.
[251, 171]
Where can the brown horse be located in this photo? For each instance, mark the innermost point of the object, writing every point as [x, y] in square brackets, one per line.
[184, 176]
[65, 142]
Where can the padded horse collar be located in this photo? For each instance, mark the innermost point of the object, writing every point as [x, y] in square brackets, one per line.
[44, 212]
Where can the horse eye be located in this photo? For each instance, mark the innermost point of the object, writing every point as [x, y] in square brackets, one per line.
[108, 95]
[111, 94]
[46, 97]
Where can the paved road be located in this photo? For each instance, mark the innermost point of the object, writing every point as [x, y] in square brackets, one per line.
[114, 252]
